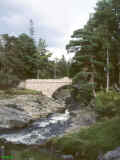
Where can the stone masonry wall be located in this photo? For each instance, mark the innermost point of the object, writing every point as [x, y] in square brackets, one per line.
[46, 86]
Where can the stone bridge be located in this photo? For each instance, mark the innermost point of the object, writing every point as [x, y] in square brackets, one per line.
[46, 86]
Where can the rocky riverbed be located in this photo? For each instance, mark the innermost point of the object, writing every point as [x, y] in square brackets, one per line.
[38, 118]
[31, 120]
[20, 110]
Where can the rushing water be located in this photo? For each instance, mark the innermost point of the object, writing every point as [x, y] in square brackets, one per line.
[39, 131]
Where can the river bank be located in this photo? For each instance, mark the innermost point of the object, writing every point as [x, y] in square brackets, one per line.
[21, 110]
[99, 141]
[24, 152]
[72, 129]
[18, 108]
[29, 118]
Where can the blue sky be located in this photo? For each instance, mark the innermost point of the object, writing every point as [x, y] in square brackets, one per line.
[54, 20]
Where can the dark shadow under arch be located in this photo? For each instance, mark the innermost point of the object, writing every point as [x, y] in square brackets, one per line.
[59, 92]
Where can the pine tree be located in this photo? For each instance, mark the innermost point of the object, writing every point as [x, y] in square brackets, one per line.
[96, 48]
[85, 48]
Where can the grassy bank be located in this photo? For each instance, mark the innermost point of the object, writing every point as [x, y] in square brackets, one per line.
[89, 142]
[8, 93]
[23, 152]
[101, 137]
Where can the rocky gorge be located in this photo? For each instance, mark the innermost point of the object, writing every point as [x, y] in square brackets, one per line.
[32, 119]
[18, 111]
[36, 121]
[24, 112]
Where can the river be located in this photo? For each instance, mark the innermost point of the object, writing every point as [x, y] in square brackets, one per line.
[36, 134]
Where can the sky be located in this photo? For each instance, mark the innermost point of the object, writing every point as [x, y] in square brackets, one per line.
[54, 20]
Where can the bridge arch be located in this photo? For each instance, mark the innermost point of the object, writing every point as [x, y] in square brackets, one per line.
[46, 86]
[59, 91]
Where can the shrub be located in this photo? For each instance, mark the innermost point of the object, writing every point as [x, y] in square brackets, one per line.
[8, 81]
[82, 92]
[107, 105]
[101, 137]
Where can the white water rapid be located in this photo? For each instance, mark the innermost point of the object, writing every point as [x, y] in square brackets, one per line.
[40, 130]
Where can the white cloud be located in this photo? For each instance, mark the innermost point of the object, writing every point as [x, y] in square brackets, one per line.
[54, 20]
[14, 20]
[58, 52]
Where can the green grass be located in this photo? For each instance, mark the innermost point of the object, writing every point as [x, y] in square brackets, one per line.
[89, 142]
[101, 137]
[19, 92]
[11, 93]
[23, 152]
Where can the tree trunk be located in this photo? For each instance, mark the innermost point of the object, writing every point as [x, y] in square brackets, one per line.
[93, 88]
[55, 70]
[38, 74]
[108, 73]
[93, 80]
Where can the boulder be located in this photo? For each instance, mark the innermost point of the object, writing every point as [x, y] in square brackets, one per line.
[13, 118]
[18, 111]
[111, 155]
[67, 157]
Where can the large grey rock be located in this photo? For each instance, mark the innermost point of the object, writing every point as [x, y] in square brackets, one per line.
[20, 110]
[67, 157]
[81, 118]
[111, 155]
[13, 118]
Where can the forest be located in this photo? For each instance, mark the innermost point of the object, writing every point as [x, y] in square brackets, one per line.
[95, 71]
[90, 123]
[96, 64]
[21, 58]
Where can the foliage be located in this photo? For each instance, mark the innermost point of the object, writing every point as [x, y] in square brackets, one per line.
[16, 56]
[21, 57]
[96, 47]
[41, 60]
[62, 67]
[107, 104]
[8, 80]
[24, 152]
[101, 137]
[82, 94]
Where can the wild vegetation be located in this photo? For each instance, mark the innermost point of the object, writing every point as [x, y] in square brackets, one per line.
[88, 143]
[95, 71]
[96, 62]
[96, 80]
[21, 58]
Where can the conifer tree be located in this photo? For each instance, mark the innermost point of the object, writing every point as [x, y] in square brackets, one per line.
[97, 48]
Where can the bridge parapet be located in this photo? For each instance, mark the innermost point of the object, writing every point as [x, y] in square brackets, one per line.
[46, 86]
[62, 80]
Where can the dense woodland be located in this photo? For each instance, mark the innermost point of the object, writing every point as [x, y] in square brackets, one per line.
[21, 58]
[95, 90]
[95, 70]
[96, 64]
